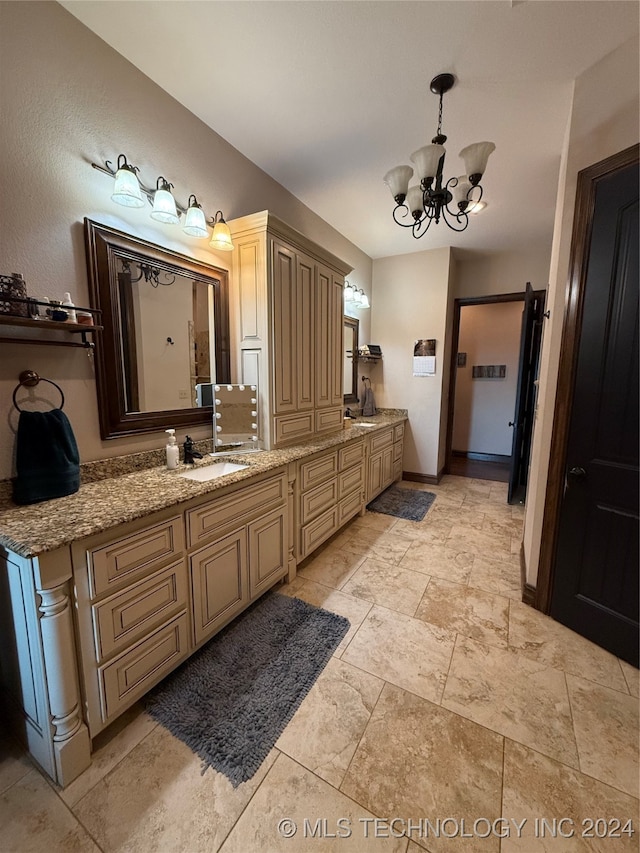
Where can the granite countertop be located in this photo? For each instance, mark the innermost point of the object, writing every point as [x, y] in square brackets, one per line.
[97, 506]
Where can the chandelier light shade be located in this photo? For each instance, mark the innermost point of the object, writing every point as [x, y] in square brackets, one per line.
[126, 188]
[433, 199]
[221, 237]
[195, 223]
[164, 204]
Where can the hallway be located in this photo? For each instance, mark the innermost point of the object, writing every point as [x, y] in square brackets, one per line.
[447, 699]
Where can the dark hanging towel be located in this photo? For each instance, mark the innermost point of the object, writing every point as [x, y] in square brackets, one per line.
[47, 459]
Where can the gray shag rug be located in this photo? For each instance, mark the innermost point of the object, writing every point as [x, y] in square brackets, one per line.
[412, 504]
[231, 701]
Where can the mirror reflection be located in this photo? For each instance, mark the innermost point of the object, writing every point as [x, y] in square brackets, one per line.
[350, 361]
[166, 331]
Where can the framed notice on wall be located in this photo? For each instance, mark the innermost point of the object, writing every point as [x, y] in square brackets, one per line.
[424, 357]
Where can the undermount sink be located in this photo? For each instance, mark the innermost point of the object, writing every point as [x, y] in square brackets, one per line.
[212, 472]
[365, 424]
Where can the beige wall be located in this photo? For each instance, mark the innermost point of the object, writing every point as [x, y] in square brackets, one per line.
[411, 300]
[603, 121]
[68, 99]
[489, 334]
[479, 274]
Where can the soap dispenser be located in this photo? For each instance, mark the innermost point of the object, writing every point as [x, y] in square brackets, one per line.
[173, 454]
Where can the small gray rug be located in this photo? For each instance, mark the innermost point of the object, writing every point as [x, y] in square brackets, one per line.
[411, 504]
[231, 701]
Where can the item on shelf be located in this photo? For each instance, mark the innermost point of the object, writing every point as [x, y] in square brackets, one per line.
[68, 304]
[84, 318]
[59, 314]
[13, 287]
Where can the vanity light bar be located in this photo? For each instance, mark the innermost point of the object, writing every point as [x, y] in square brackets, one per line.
[128, 190]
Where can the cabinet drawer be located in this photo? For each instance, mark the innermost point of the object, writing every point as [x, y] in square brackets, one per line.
[125, 617]
[267, 552]
[317, 500]
[134, 556]
[219, 583]
[381, 439]
[130, 676]
[315, 533]
[235, 509]
[327, 419]
[398, 432]
[350, 455]
[350, 480]
[349, 507]
[318, 470]
[288, 428]
[397, 451]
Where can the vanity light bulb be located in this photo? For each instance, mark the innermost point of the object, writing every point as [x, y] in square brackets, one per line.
[254, 387]
[254, 414]
[229, 387]
[253, 400]
[216, 388]
[218, 441]
[241, 387]
[218, 415]
[254, 426]
[218, 429]
[254, 438]
[217, 402]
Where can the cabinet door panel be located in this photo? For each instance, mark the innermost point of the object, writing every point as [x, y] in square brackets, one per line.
[284, 329]
[387, 467]
[219, 583]
[267, 551]
[336, 344]
[323, 347]
[375, 481]
[304, 333]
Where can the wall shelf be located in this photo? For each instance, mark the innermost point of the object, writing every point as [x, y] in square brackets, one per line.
[81, 329]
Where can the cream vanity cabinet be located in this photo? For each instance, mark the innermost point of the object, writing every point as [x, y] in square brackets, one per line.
[150, 592]
[384, 459]
[330, 491]
[288, 311]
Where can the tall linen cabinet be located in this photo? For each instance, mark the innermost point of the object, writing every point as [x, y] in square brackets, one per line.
[288, 320]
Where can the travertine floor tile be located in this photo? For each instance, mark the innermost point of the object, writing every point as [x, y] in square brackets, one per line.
[632, 677]
[378, 545]
[537, 787]
[109, 748]
[498, 576]
[353, 609]
[404, 651]
[541, 638]
[328, 725]
[471, 612]
[606, 726]
[480, 542]
[376, 520]
[332, 567]
[157, 799]
[426, 531]
[465, 516]
[391, 586]
[294, 811]
[510, 694]
[14, 763]
[455, 768]
[34, 819]
[439, 561]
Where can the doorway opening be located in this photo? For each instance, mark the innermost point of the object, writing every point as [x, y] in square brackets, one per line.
[496, 346]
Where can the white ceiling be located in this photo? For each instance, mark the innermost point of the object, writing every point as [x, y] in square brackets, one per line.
[327, 95]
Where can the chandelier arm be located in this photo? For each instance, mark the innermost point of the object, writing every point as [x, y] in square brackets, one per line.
[418, 229]
[397, 221]
[448, 216]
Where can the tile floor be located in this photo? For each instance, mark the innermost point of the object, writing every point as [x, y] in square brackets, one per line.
[448, 704]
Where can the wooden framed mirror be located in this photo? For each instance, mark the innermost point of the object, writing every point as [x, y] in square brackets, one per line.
[351, 329]
[166, 330]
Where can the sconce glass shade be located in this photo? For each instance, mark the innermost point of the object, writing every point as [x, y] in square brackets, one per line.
[415, 200]
[126, 189]
[356, 299]
[195, 223]
[397, 180]
[349, 290]
[475, 157]
[164, 206]
[426, 160]
[460, 192]
[364, 300]
[221, 237]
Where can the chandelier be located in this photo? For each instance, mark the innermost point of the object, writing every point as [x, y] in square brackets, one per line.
[430, 200]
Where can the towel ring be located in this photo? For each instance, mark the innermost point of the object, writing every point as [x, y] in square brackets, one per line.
[30, 378]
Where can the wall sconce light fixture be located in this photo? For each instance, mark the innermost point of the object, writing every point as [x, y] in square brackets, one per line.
[129, 191]
[355, 297]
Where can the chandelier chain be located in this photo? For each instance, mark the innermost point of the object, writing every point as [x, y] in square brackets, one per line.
[440, 116]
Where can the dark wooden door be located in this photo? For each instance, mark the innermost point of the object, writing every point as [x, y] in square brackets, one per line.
[595, 572]
[522, 423]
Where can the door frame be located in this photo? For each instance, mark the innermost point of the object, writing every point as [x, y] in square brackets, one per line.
[458, 304]
[572, 326]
